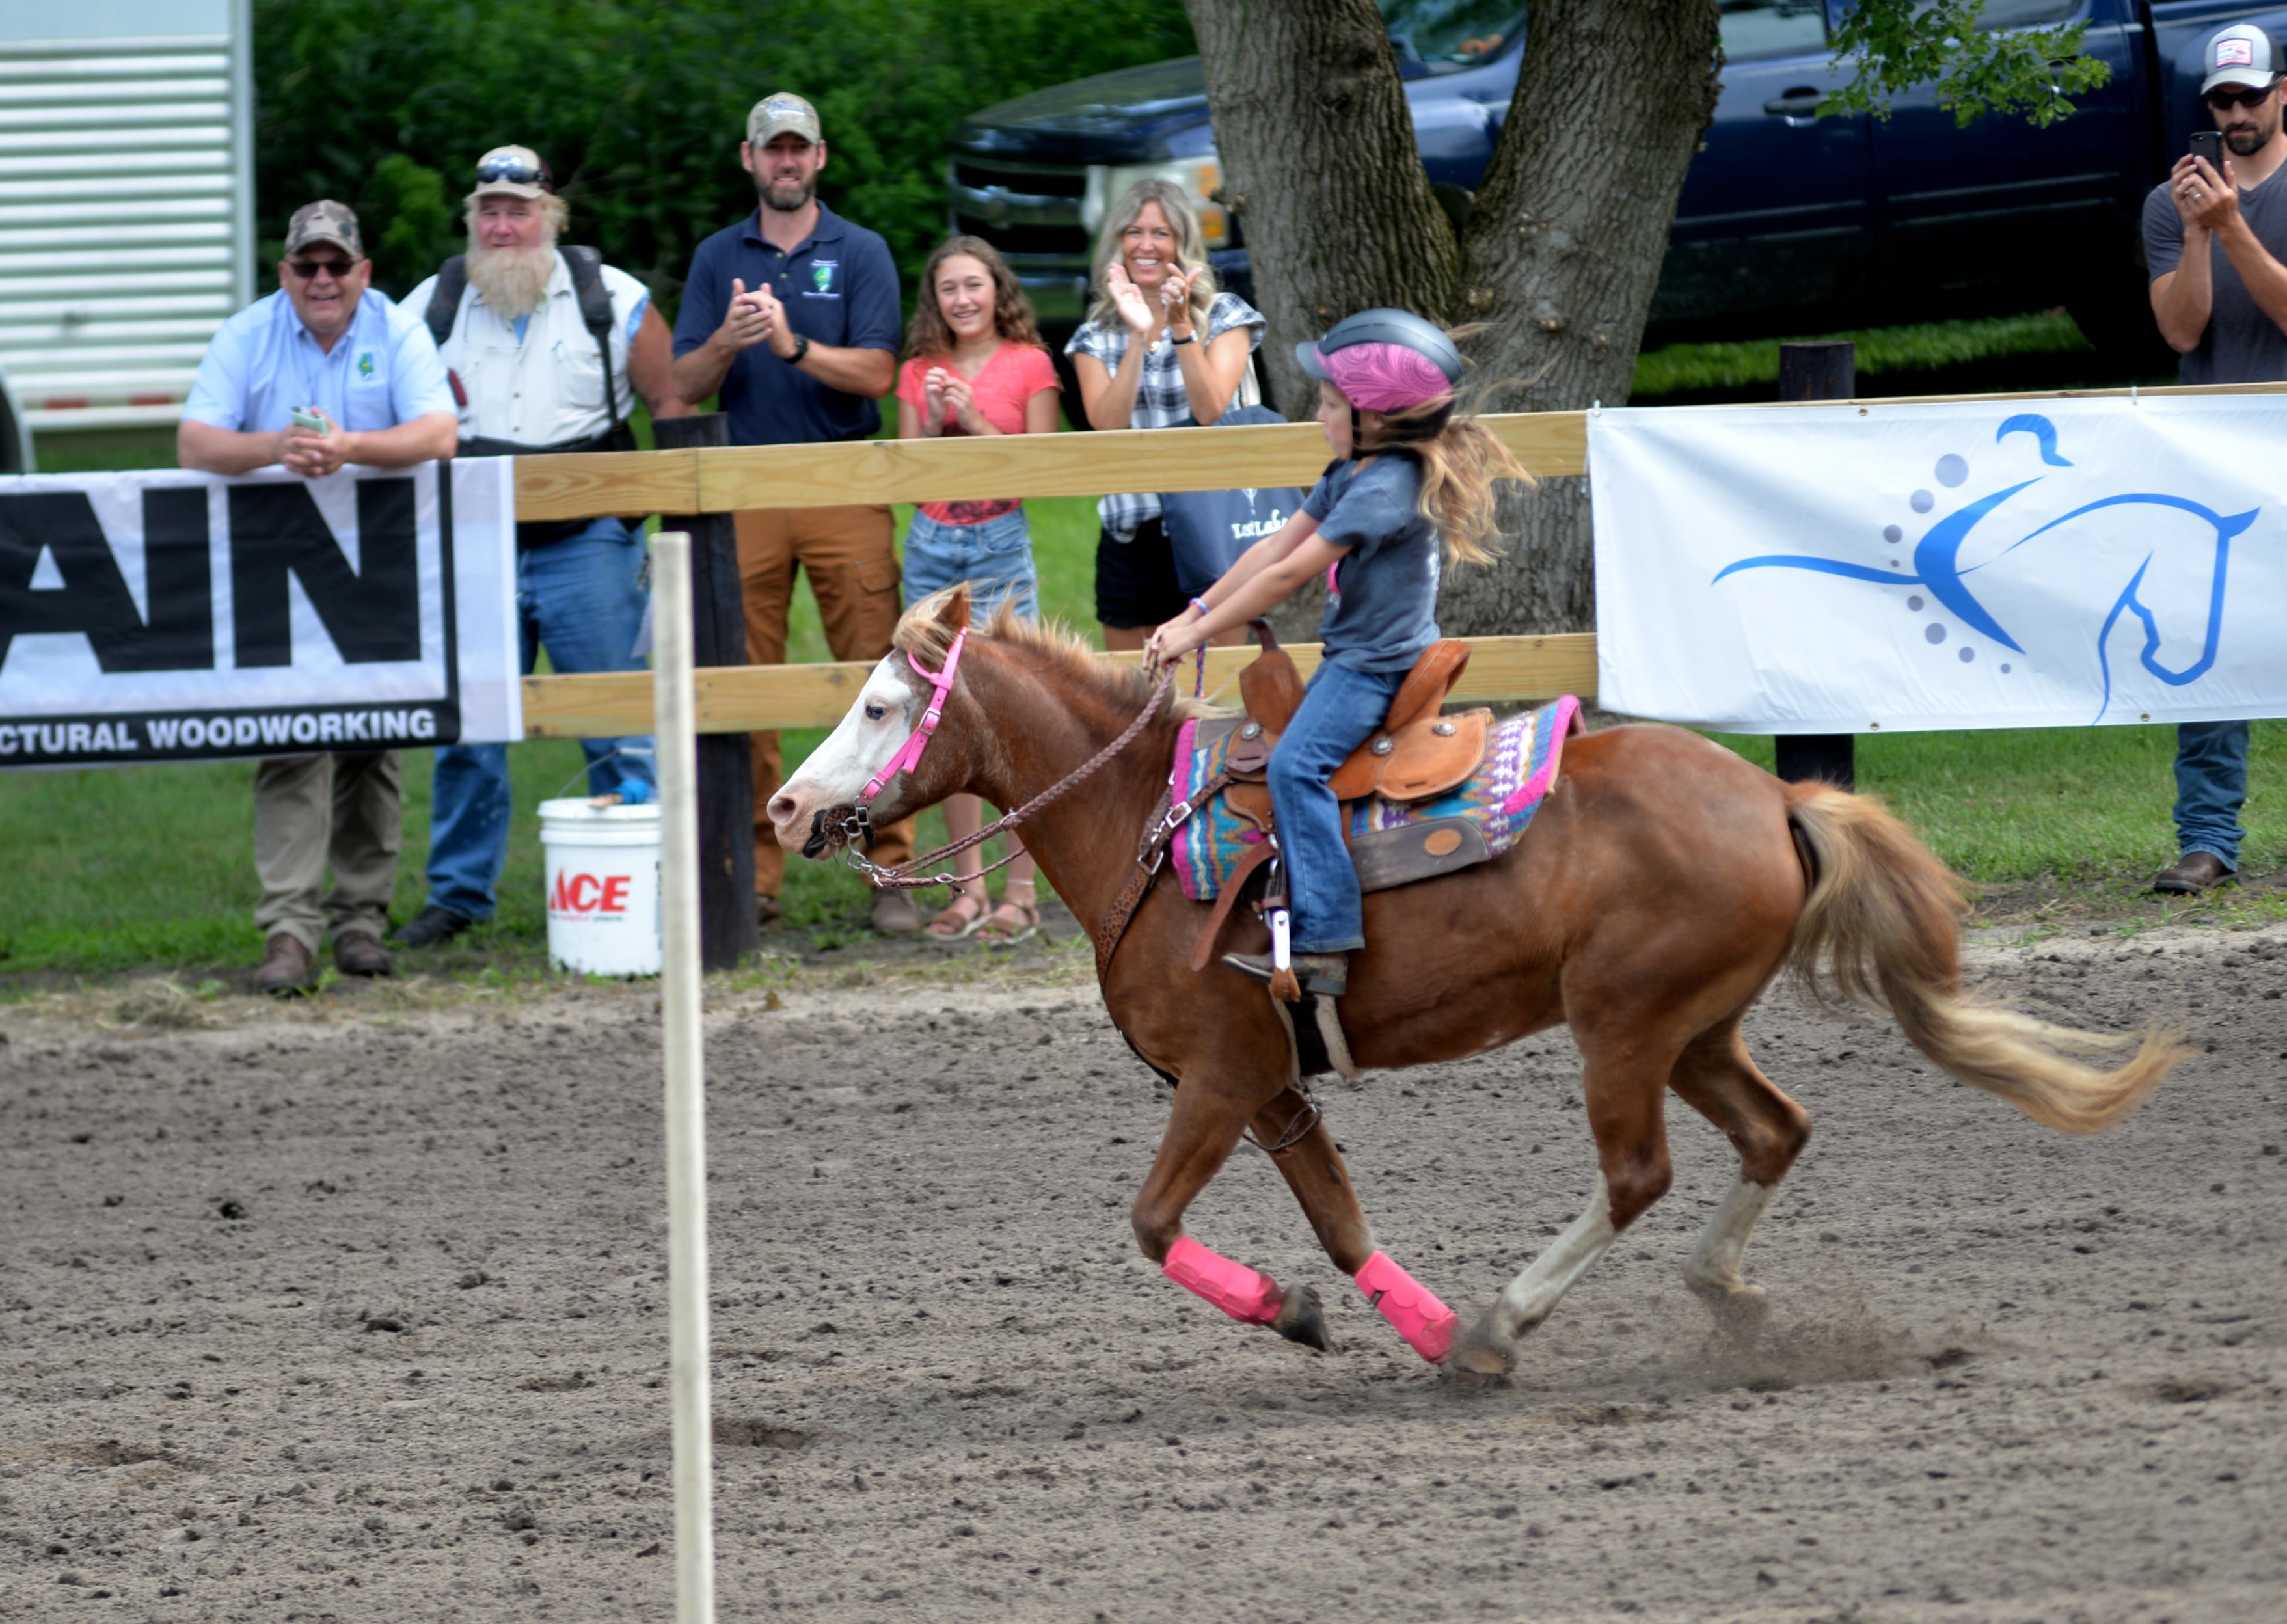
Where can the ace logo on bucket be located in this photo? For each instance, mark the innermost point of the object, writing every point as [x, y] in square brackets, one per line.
[587, 893]
[168, 616]
[1848, 568]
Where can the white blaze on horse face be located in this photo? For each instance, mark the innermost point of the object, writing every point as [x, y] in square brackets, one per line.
[1530, 1298]
[859, 746]
[1714, 1262]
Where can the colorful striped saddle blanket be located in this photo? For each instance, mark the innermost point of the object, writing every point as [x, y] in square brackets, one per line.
[1392, 842]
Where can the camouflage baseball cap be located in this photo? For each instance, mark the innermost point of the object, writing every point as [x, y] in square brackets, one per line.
[324, 221]
[782, 113]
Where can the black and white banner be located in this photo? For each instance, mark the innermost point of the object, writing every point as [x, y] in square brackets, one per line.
[173, 616]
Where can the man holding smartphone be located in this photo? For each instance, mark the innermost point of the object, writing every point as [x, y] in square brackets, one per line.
[2215, 242]
[325, 350]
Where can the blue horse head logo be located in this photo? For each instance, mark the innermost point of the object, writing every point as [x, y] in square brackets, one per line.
[1937, 567]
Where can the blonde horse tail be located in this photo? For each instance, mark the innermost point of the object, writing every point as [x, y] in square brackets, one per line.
[1880, 933]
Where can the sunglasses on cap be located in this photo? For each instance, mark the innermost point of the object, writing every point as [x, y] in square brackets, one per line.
[2221, 99]
[516, 172]
[310, 270]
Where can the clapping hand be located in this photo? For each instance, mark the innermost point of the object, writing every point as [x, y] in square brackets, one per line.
[1175, 299]
[962, 400]
[1128, 299]
[747, 321]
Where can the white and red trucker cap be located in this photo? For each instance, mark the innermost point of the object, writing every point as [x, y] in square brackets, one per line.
[2241, 55]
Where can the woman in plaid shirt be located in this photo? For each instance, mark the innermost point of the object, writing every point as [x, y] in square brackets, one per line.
[1160, 347]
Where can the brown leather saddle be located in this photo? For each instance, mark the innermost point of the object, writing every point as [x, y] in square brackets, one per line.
[1417, 753]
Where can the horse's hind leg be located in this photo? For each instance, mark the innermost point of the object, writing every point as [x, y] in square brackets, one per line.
[1715, 1078]
[1624, 1093]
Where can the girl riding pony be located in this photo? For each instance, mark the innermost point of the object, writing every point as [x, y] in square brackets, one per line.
[1409, 480]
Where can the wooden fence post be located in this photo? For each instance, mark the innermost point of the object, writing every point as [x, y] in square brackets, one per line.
[727, 931]
[1827, 371]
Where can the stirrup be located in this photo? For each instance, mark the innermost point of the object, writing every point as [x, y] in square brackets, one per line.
[1320, 974]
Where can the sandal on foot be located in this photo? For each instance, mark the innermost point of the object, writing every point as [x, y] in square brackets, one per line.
[958, 920]
[1012, 922]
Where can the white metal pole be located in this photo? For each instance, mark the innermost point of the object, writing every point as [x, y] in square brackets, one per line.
[677, 740]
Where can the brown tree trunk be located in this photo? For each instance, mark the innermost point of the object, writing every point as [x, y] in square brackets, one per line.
[1559, 255]
[1321, 169]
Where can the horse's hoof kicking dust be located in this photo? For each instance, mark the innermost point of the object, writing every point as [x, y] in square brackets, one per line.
[1302, 1317]
[1479, 1357]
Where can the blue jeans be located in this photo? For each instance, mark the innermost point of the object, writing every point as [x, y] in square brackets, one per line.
[582, 599]
[995, 558]
[1340, 711]
[2210, 787]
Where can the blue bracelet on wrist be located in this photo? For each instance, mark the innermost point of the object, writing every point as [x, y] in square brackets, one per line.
[1201, 606]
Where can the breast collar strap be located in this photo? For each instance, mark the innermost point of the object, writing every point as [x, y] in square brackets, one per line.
[909, 753]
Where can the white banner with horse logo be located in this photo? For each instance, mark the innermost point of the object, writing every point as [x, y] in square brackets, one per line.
[174, 616]
[2005, 564]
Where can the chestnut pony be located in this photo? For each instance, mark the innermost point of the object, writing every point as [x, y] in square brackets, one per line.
[1661, 888]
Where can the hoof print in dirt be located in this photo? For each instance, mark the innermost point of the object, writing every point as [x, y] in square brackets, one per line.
[1303, 1318]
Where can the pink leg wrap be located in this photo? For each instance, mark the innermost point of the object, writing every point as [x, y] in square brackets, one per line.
[1426, 1323]
[1233, 1288]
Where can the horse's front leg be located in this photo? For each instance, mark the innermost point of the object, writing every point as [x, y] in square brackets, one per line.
[1204, 1126]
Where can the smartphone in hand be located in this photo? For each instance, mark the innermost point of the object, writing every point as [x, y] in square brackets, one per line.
[2208, 144]
[308, 418]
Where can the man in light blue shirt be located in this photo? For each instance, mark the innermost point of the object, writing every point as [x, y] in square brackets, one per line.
[328, 344]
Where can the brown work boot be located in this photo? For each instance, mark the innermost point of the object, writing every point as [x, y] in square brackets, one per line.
[2194, 873]
[360, 953]
[286, 966]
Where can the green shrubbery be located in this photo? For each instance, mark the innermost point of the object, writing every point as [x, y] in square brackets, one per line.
[386, 105]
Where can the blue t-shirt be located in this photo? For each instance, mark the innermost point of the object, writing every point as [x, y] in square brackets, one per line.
[1382, 611]
[263, 363]
[839, 287]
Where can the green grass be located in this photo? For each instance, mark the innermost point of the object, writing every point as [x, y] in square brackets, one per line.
[120, 868]
[2018, 805]
[1680, 368]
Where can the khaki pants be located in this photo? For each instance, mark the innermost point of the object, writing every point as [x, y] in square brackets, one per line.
[309, 808]
[852, 566]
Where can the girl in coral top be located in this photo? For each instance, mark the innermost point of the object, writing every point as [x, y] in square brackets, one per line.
[977, 367]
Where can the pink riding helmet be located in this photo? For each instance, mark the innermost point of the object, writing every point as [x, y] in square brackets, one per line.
[1385, 360]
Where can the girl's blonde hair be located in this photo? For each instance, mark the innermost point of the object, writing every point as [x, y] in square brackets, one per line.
[1459, 460]
[1190, 246]
[927, 334]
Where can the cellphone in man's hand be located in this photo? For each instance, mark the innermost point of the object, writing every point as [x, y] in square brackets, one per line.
[2208, 144]
[306, 417]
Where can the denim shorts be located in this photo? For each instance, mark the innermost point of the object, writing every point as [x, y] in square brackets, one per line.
[995, 558]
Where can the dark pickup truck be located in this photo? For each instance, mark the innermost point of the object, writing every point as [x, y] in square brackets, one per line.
[1789, 223]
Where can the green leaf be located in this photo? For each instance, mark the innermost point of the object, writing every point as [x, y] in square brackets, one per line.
[1890, 46]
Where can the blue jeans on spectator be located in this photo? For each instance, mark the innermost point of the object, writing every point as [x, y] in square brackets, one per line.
[995, 558]
[1340, 711]
[582, 599]
[2210, 787]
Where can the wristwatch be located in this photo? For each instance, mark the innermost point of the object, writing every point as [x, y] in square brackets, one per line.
[1191, 337]
[800, 349]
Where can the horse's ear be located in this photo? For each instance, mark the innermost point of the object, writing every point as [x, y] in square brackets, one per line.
[953, 613]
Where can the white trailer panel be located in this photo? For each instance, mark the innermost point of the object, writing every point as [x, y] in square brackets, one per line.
[126, 200]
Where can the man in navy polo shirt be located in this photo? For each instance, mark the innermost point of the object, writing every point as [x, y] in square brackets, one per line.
[792, 315]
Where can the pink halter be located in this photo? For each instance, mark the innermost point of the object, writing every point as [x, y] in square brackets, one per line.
[909, 753]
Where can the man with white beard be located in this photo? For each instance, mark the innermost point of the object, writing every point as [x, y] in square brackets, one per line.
[548, 348]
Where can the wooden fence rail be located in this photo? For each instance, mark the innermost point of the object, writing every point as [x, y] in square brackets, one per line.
[732, 699]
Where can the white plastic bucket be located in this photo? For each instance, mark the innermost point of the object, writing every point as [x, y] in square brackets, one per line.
[602, 866]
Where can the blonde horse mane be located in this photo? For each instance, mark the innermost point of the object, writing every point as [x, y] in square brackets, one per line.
[923, 633]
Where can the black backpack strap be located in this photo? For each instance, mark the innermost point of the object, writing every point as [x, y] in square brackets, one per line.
[445, 299]
[596, 312]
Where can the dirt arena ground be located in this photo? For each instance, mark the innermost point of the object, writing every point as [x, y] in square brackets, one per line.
[329, 1316]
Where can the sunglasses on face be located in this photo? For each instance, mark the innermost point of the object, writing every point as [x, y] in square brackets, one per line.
[516, 172]
[310, 270]
[2223, 99]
